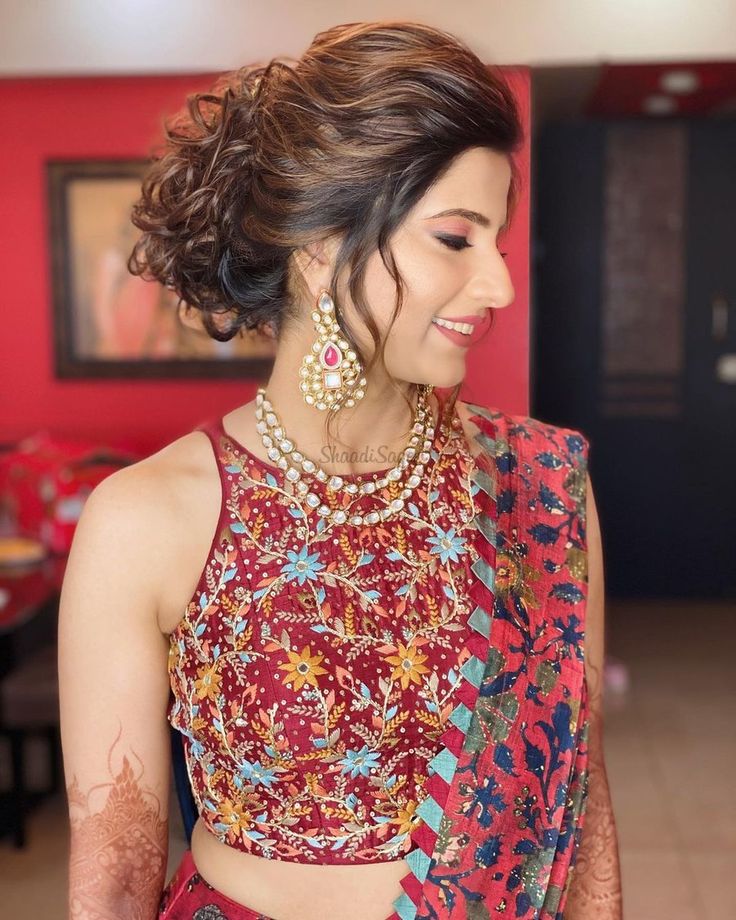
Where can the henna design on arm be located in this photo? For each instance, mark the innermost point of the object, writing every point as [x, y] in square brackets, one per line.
[119, 847]
[595, 883]
[595, 889]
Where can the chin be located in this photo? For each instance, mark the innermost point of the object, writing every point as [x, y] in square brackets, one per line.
[445, 379]
[441, 373]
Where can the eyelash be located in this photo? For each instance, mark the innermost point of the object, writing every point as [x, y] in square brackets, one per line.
[452, 243]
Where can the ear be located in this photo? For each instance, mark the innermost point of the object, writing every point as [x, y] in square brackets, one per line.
[315, 261]
[189, 316]
[192, 318]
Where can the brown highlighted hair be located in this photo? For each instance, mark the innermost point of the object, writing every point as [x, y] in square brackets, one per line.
[343, 141]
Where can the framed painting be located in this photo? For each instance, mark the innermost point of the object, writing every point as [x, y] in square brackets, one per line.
[108, 322]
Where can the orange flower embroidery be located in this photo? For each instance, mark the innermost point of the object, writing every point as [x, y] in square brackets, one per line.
[406, 818]
[409, 664]
[208, 682]
[235, 816]
[303, 668]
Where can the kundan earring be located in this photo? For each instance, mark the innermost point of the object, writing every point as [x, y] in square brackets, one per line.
[331, 373]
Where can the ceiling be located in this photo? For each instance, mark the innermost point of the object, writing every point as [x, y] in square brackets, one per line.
[87, 37]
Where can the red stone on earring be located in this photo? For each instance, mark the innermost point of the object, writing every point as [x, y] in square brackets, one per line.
[331, 358]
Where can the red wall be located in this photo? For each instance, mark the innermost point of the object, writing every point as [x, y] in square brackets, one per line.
[120, 117]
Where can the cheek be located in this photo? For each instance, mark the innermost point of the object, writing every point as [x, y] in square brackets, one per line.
[432, 278]
[431, 282]
[380, 290]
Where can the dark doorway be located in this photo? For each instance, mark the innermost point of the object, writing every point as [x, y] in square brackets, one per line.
[634, 336]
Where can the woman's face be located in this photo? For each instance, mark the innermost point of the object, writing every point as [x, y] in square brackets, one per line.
[452, 268]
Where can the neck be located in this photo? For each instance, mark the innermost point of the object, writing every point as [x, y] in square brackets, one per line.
[365, 438]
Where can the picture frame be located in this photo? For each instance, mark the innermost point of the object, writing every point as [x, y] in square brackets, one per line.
[107, 322]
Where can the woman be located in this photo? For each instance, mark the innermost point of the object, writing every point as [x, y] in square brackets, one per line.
[376, 655]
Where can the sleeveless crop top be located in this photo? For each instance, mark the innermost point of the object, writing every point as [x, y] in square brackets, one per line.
[317, 664]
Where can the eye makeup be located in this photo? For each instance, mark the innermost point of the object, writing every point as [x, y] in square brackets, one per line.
[454, 242]
[460, 242]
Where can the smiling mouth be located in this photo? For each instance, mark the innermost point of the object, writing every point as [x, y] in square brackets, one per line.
[463, 328]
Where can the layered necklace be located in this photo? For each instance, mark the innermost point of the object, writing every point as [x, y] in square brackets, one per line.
[407, 472]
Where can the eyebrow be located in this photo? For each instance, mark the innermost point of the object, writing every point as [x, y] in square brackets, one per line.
[474, 216]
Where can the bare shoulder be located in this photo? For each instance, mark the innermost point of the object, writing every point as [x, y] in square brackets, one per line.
[149, 489]
[162, 510]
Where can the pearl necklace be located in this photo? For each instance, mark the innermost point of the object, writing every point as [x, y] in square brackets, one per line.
[282, 451]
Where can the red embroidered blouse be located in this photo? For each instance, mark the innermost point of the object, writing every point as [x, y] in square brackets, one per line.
[315, 668]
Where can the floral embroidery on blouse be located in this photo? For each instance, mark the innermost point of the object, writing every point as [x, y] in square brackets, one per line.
[314, 669]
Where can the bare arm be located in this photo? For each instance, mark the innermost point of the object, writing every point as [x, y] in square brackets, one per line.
[113, 687]
[595, 889]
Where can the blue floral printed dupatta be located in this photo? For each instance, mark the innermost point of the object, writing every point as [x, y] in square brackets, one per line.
[505, 808]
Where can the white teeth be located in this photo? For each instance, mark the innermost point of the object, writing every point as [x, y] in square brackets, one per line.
[465, 328]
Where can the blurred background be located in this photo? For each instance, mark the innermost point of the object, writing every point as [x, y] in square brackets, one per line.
[623, 256]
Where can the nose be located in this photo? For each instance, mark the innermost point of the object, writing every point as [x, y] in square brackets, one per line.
[491, 284]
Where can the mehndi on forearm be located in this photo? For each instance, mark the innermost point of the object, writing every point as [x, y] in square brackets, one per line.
[119, 849]
[595, 890]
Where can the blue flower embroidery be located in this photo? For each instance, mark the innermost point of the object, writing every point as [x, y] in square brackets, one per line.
[257, 773]
[447, 544]
[362, 761]
[301, 565]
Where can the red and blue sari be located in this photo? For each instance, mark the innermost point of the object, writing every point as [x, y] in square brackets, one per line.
[505, 810]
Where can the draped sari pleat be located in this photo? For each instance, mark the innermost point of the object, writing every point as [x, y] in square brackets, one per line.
[506, 795]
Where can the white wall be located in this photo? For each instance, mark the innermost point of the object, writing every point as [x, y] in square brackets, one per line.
[153, 36]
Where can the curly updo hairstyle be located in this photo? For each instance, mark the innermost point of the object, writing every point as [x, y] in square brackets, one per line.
[345, 140]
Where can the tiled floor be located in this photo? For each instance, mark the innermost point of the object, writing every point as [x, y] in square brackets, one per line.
[670, 742]
[670, 749]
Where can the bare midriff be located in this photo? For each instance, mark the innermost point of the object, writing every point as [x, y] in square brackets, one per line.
[297, 891]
